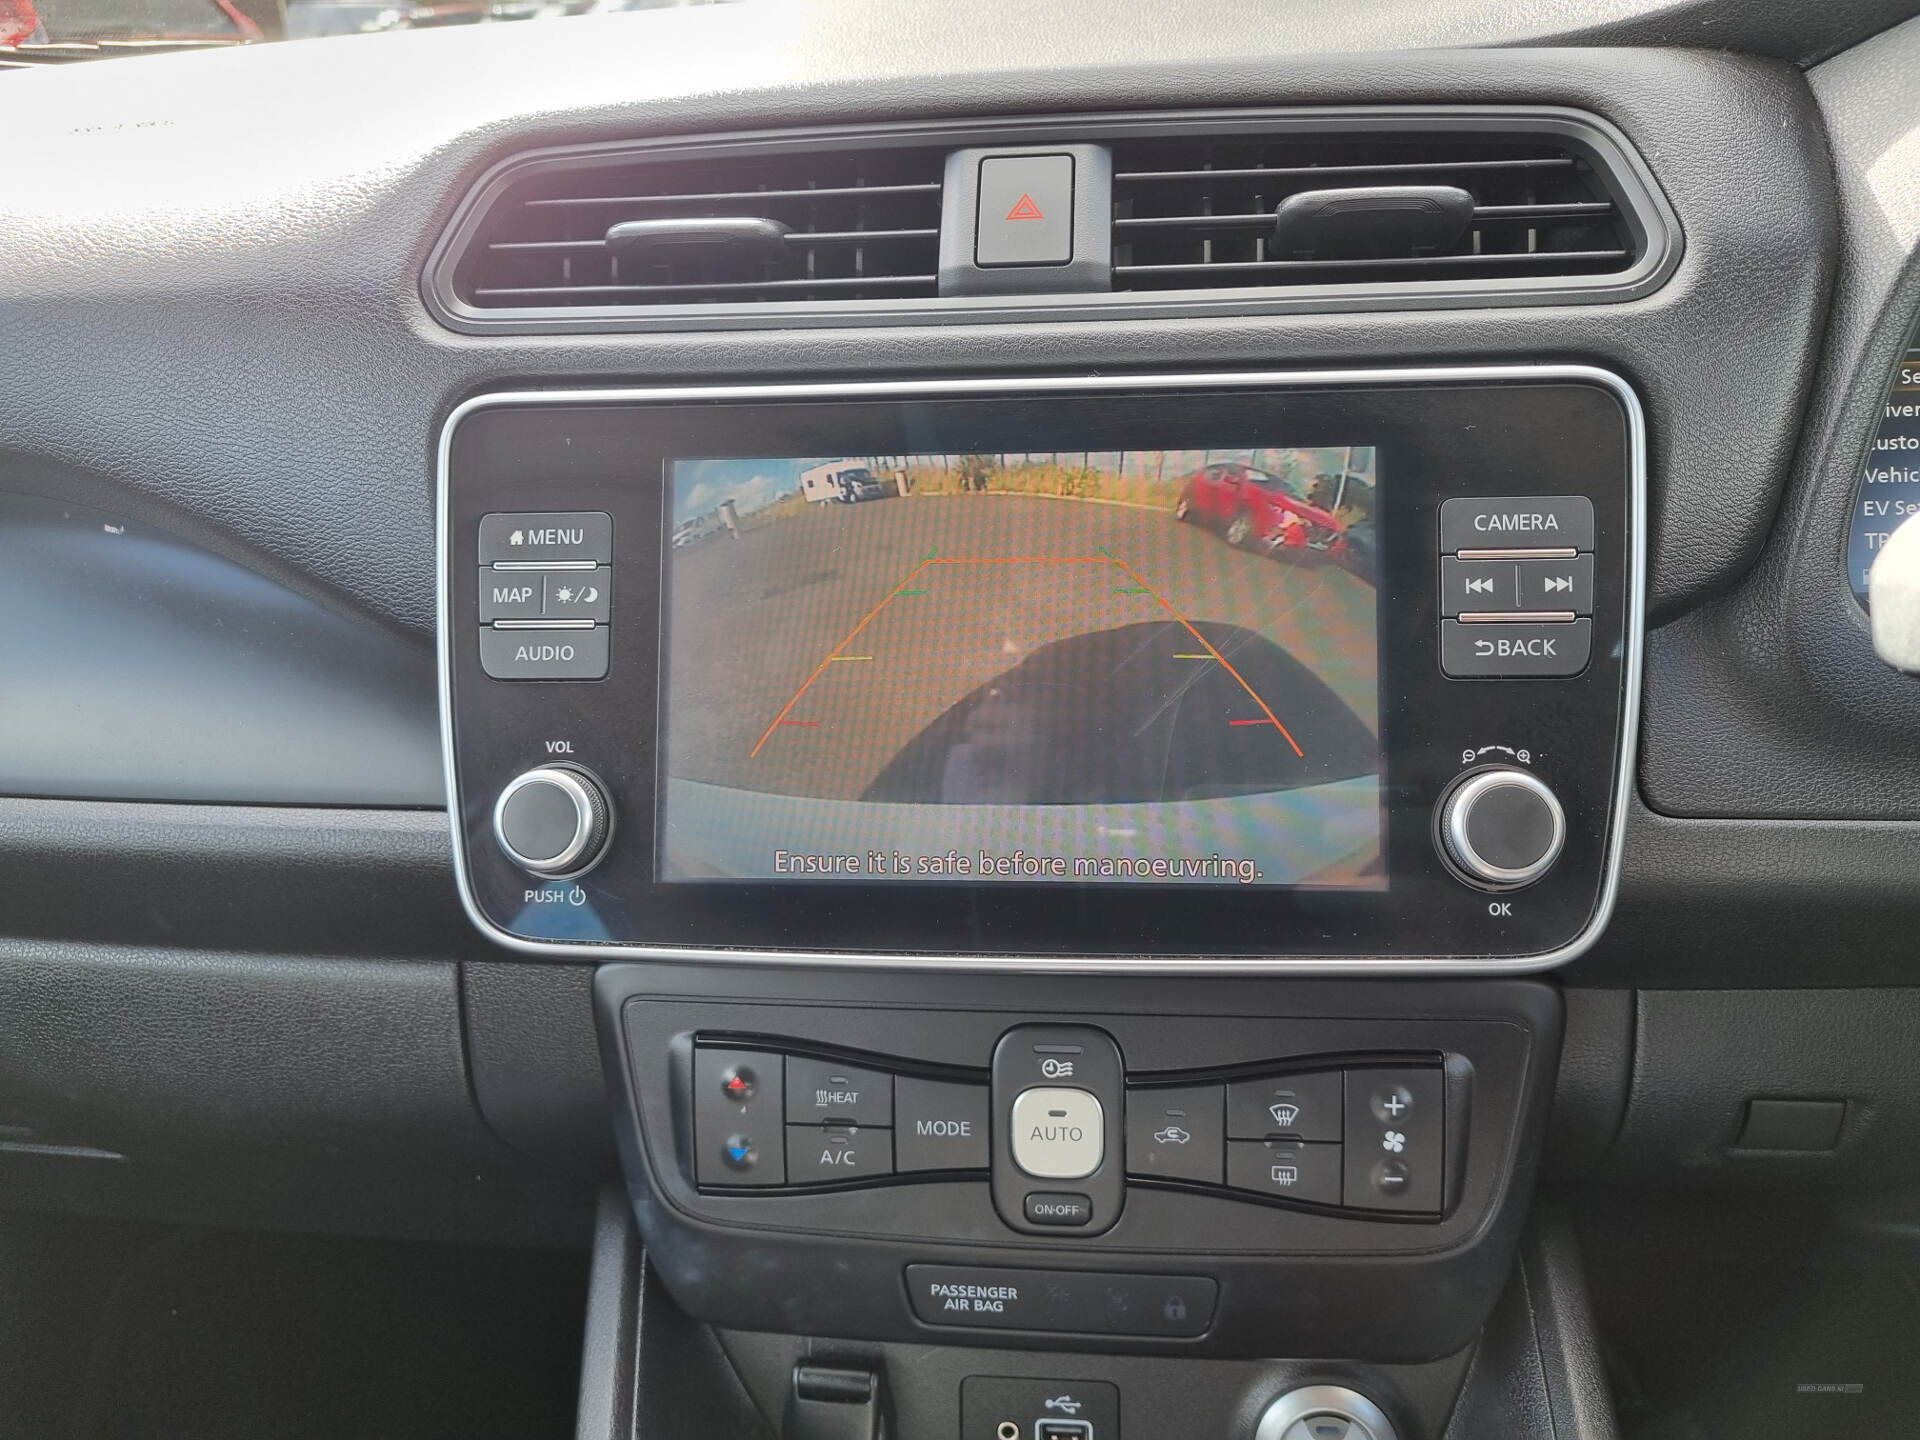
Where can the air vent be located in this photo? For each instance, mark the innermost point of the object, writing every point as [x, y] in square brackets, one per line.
[792, 225]
[1194, 214]
[1245, 212]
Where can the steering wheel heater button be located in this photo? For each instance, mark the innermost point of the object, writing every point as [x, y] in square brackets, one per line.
[1058, 1134]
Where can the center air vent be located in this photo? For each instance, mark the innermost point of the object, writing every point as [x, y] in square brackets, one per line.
[1200, 213]
[791, 226]
[1248, 212]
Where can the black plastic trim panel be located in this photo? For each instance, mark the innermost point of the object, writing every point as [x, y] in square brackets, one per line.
[1771, 702]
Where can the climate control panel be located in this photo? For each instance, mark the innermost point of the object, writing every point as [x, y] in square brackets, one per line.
[1060, 1130]
[1222, 1167]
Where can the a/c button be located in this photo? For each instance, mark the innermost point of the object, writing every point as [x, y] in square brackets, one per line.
[818, 1154]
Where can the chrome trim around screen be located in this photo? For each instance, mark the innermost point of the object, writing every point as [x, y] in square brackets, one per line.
[1083, 964]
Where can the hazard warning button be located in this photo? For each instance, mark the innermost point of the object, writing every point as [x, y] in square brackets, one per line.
[1026, 210]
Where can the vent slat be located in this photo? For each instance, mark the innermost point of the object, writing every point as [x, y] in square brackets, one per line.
[1333, 171]
[861, 224]
[1264, 218]
[796, 239]
[850, 282]
[1518, 257]
[742, 197]
[1199, 213]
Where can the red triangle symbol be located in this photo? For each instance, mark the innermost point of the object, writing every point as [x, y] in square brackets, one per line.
[1025, 210]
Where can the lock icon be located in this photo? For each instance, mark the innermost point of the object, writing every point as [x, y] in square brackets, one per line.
[1175, 1308]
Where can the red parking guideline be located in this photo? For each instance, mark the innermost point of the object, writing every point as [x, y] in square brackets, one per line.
[1105, 557]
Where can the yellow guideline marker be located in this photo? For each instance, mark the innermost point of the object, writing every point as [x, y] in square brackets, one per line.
[850, 657]
[1193, 657]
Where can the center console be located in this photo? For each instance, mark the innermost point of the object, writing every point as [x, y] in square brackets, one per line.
[1061, 856]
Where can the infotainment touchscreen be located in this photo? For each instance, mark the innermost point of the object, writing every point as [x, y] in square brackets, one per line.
[1127, 668]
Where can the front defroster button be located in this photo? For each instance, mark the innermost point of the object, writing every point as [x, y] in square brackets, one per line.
[1057, 1133]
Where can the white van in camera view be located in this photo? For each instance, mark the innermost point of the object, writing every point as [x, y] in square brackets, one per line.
[845, 481]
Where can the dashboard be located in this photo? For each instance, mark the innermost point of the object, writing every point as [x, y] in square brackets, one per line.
[1048, 706]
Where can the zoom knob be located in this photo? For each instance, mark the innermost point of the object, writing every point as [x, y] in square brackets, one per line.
[1501, 829]
[553, 821]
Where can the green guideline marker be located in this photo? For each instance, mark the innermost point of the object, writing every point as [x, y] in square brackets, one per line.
[1131, 590]
[923, 560]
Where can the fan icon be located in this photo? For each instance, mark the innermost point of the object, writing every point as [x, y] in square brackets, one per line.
[1393, 1142]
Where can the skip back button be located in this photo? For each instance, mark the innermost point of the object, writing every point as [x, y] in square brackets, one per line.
[1515, 650]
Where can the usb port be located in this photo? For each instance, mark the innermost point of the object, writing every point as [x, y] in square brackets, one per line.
[1063, 1430]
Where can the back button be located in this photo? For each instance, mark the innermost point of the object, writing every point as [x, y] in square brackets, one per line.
[1515, 650]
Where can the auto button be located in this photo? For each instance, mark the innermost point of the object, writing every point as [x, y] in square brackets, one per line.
[1057, 1133]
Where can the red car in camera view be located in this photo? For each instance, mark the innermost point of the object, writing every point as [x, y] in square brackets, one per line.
[1258, 507]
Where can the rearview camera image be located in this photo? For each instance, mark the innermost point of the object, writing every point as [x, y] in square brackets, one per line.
[1141, 667]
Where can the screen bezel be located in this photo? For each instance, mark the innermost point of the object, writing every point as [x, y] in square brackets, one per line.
[1567, 429]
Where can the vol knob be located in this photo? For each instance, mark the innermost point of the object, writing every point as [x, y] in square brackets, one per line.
[1501, 828]
[553, 821]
